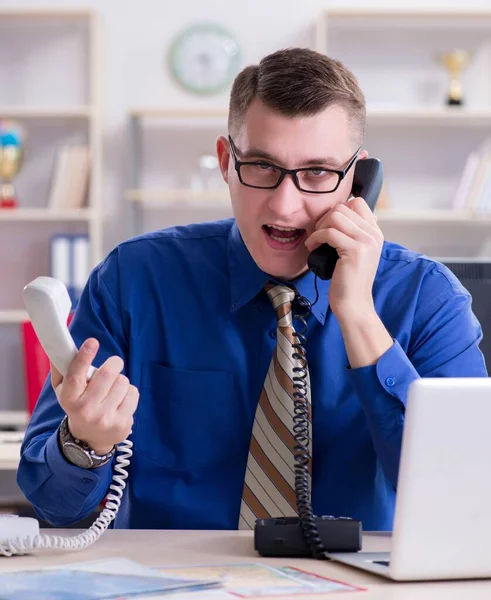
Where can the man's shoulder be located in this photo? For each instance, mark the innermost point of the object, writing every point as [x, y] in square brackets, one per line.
[181, 233]
[413, 267]
[198, 243]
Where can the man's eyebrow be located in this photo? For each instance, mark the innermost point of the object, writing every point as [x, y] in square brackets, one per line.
[262, 154]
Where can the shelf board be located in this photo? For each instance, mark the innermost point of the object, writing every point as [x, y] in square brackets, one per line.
[171, 197]
[14, 418]
[379, 19]
[430, 116]
[381, 13]
[431, 216]
[178, 113]
[9, 317]
[376, 115]
[45, 214]
[45, 13]
[188, 198]
[10, 445]
[46, 112]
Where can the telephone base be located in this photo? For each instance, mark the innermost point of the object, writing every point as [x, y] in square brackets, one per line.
[283, 536]
[13, 527]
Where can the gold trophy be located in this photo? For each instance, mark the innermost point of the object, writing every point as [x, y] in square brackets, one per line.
[455, 62]
[11, 155]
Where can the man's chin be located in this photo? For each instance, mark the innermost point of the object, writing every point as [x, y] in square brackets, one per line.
[286, 273]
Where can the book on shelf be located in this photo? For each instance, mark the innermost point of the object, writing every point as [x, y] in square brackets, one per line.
[473, 193]
[70, 262]
[70, 178]
[36, 364]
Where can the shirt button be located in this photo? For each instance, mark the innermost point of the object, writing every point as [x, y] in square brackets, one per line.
[390, 381]
[272, 334]
[87, 480]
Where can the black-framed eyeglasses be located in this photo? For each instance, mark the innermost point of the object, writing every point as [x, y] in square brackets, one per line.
[264, 175]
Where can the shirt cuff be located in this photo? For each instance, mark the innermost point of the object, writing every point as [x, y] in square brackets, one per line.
[392, 374]
[91, 484]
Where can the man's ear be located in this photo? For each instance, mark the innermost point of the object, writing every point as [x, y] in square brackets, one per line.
[363, 154]
[223, 154]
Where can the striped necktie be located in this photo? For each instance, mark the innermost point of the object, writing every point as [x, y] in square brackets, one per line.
[269, 487]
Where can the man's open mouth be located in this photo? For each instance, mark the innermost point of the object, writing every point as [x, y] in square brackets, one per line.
[283, 235]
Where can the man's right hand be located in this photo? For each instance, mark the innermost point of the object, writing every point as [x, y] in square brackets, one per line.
[100, 412]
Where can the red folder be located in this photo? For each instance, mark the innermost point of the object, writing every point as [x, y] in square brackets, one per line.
[36, 364]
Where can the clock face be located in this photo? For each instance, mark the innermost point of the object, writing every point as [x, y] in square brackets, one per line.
[204, 59]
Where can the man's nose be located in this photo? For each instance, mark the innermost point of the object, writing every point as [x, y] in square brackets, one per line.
[286, 199]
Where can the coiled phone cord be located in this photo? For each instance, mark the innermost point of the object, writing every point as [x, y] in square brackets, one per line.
[301, 433]
[98, 527]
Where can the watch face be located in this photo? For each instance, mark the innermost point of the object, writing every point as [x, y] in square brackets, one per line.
[204, 59]
[77, 456]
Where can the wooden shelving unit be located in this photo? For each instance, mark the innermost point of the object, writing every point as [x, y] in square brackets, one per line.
[423, 144]
[65, 118]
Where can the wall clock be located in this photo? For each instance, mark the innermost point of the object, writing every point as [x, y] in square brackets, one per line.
[204, 58]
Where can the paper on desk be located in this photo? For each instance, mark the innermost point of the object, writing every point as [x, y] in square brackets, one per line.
[249, 580]
[96, 580]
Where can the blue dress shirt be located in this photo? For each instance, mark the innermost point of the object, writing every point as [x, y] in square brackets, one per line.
[186, 311]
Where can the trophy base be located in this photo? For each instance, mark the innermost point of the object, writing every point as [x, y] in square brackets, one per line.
[455, 102]
[8, 202]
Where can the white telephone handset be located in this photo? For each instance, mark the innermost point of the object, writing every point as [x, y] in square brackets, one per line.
[48, 306]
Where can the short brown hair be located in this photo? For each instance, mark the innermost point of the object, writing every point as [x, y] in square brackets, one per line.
[298, 82]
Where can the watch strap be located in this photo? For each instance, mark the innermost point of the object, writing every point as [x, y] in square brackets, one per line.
[88, 457]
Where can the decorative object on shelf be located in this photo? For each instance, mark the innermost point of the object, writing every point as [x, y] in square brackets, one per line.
[70, 178]
[455, 62]
[473, 193]
[208, 175]
[12, 143]
[204, 58]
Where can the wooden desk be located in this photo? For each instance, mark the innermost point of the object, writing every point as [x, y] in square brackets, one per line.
[161, 548]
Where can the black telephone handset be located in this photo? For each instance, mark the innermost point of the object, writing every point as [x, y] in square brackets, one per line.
[367, 183]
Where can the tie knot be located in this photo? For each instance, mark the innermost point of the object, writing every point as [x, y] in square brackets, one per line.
[281, 297]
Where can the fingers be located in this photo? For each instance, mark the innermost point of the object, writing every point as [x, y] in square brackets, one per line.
[335, 238]
[116, 412]
[75, 381]
[103, 380]
[357, 210]
[56, 376]
[361, 208]
[127, 408]
[352, 221]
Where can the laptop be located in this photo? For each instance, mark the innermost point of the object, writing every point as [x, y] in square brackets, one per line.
[442, 521]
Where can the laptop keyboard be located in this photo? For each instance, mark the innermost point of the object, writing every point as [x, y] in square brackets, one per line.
[386, 563]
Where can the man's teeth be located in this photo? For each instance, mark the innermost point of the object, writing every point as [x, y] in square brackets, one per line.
[283, 240]
[282, 228]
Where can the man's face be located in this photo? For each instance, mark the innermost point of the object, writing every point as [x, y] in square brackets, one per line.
[275, 223]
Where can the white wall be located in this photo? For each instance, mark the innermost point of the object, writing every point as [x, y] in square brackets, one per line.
[137, 35]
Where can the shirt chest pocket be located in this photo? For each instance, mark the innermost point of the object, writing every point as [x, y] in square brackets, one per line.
[184, 419]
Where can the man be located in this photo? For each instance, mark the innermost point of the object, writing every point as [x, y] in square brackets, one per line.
[184, 324]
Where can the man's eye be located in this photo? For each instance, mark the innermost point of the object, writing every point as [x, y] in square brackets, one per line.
[265, 166]
[316, 172]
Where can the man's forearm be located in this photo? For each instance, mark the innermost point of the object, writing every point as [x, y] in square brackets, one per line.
[365, 337]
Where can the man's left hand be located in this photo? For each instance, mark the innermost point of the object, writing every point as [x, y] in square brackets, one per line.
[352, 229]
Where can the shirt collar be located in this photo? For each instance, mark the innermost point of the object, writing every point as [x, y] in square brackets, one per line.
[247, 279]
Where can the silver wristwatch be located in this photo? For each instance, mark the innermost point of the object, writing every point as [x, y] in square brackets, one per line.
[78, 452]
